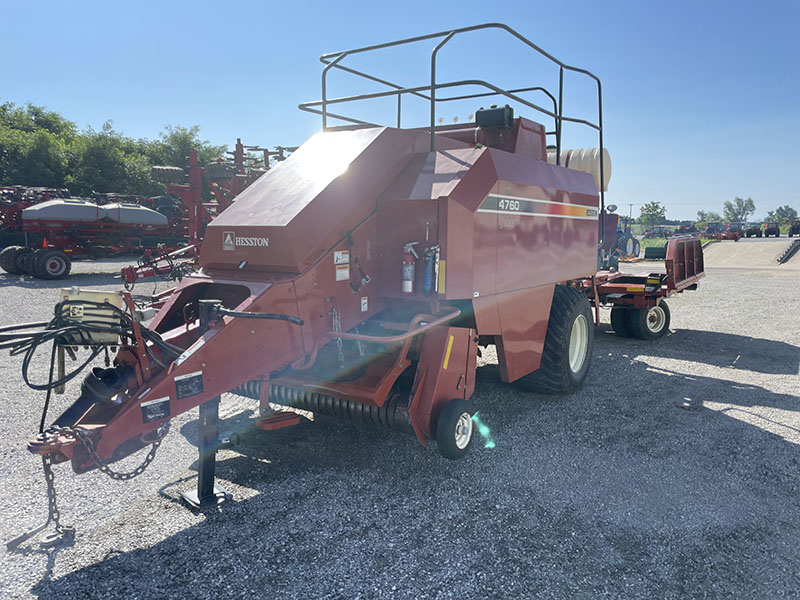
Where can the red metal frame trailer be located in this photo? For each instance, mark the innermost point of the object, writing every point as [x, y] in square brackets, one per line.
[359, 277]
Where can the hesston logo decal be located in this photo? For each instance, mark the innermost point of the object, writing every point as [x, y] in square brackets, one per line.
[230, 241]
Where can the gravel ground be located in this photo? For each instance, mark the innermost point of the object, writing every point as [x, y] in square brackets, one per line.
[673, 473]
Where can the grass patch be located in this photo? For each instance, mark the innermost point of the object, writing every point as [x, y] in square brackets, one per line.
[649, 242]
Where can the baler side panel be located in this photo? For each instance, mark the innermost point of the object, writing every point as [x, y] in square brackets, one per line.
[523, 317]
[401, 222]
[547, 223]
[319, 290]
[485, 253]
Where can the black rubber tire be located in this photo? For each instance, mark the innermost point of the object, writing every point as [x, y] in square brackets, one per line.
[637, 247]
[777, 234]
[52, 264]
[620, 323]
[23, 259]
[8, 259]
[167, 174]
[643, 320]
[30, 265]
[455, 414]
[555, 376]
[218, 171]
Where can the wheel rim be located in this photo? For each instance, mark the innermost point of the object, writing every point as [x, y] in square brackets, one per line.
[55, 265]
[463, 433]
[578, 343]
[656, 318]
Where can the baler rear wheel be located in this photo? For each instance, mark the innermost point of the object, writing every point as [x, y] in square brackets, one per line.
[567, 345]
[650, 323]
[8, 259]
[455, 429]
[52, 264]
[620, 323]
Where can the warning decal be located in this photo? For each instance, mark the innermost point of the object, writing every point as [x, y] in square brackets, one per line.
[155, 410]
[341, 257]
[342, 272]
[190, 384]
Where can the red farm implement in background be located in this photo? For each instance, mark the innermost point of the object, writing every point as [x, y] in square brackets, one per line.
[49, 228]
[359, 277]
[225, 180]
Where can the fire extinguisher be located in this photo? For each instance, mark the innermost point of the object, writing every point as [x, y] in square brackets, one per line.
[410, 257]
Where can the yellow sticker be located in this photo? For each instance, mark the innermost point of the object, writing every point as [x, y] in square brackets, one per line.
[447, 354]
[442, 265]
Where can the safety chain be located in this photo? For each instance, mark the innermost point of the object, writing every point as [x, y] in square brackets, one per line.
[336, 324]
[53, 514]
[81, 436]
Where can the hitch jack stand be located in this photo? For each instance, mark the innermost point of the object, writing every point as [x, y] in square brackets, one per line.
[208, 494]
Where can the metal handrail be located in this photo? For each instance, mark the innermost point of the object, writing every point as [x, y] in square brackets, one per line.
[333, 60]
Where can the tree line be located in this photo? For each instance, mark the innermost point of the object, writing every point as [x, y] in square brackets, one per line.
[41, 148]
[736, 210]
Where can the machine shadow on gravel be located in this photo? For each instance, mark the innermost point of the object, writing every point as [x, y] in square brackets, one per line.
[719, 349]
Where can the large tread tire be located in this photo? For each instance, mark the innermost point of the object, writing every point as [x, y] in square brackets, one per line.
[637, 247]
[650, 323]
[168, 174]
[52, 264]
[219, 171]
[30, 265]
[8, 259]
[570, 327]
[620, 322]
[23, 259]
[455, 429]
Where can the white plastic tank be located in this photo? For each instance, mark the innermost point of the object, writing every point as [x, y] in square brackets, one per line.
[133, 214]
[74, 210]
[68, 210]
[586, 160]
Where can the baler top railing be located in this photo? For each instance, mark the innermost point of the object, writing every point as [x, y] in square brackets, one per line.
[335, 59]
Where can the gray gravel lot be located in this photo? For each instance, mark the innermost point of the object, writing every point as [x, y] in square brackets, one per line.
[673, 473]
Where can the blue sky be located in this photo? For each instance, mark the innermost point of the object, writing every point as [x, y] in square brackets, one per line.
[700, 99]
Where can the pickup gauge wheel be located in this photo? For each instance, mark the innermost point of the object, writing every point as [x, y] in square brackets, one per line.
[455, 429]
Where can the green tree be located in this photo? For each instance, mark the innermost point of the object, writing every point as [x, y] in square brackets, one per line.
[175, 144]
[739, 209]
[708, 216]
[652, 213]
[782, 214]
[39, 147]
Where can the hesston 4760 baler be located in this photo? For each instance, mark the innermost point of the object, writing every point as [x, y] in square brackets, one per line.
[360, 276]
